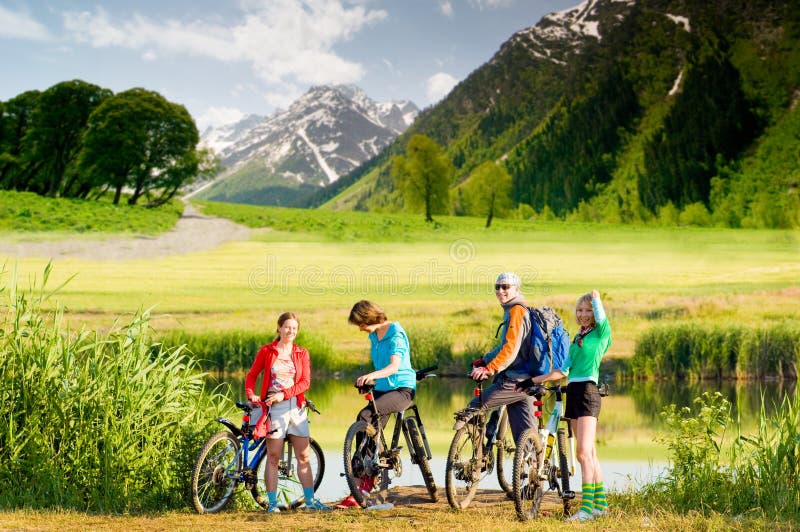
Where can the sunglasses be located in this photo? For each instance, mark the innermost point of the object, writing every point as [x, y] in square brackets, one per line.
[502, 286]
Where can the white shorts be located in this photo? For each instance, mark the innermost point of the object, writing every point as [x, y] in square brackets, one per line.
[285, 418]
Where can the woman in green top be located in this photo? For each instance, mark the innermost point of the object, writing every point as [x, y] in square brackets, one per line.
[582, 368]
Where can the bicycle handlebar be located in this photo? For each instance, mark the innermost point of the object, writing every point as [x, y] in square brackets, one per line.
[424, 373]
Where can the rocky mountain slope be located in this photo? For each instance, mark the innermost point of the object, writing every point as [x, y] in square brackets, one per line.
[325, 134]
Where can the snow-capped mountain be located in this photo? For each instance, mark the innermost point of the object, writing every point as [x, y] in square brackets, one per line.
[323, 135]
[565, 32]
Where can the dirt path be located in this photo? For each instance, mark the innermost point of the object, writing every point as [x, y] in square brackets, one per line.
[193, 232]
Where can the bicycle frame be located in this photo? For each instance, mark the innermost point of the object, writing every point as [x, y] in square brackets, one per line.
[249, 472]
[391, 452]
[546, 430]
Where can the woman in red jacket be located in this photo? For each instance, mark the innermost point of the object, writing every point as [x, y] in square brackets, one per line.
[287, 376]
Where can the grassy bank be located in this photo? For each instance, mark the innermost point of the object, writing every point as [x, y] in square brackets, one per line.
[27, 212]
[100, 421]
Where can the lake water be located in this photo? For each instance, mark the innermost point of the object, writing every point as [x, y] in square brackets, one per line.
[629, 422]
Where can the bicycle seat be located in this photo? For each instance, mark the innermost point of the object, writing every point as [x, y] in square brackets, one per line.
[246, 406]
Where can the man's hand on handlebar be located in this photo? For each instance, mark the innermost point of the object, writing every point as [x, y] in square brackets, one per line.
[479, 374]
[529, 387]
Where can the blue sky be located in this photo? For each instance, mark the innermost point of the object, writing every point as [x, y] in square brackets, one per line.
[223, 59]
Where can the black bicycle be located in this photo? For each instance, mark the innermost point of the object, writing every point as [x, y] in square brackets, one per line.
[481, 444]
[367, 454]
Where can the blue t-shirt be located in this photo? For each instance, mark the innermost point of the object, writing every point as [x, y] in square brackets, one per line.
[394, 342]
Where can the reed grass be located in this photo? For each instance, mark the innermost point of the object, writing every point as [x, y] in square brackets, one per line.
[716, 469]
[94, 421]
[232, 352]
[698, 351]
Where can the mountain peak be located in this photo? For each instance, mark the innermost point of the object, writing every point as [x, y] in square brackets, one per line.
[324, 134]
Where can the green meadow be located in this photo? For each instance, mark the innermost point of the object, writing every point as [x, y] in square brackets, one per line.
[438, 277]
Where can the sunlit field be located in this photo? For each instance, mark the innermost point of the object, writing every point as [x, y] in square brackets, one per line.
[440, 277]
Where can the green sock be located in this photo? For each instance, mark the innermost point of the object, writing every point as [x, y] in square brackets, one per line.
[587, 498]
[600, 497]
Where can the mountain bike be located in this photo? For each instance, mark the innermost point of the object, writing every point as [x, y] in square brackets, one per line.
[471, 457]
[367, 455]
[553, 462]
[234, 458]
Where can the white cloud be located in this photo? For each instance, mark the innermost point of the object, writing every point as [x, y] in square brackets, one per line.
[218, 116]
[19, 25]
[446, 8]
[439, 85]
[490, 4]
[149, 55]
[283, 41]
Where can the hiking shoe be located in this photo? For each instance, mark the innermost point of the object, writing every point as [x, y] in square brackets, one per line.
[273, 508]
[316, 504]
[580, 517]
[348, 502]
[599, 512]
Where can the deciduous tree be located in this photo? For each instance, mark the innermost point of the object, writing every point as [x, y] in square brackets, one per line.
[487, 191]
[138, 139]
[54, 138]
[424, 175]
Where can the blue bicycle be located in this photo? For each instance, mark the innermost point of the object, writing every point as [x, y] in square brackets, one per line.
[234, 458]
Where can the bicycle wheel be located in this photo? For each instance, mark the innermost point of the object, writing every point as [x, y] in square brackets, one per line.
[422, 457]
[464, 469]
[563, 465]
[504, 445]
[360, 460]
[214, 474]
[290, 489]
[527, 486]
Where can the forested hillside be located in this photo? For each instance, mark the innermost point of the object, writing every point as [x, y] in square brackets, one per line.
[627, 111]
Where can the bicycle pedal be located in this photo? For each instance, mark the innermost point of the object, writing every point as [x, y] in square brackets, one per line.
[568, 495]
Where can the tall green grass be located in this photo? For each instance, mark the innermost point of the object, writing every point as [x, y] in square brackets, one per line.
[29, 212]
[94, 421]
[231, 352]
[707, 352]
[714, 469]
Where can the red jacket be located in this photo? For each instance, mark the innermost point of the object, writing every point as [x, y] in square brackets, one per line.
[265, 358]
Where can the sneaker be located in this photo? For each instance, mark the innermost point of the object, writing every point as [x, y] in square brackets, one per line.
[349, 502]
[580, 517]
[316, 504]
[273, 508]
[599, 512]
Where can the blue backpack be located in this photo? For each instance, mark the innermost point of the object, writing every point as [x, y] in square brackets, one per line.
[549, 341]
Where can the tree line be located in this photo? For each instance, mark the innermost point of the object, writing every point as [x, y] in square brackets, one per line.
[78, 140]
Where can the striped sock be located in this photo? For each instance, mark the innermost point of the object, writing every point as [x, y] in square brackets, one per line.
[600, 497]
[587, 498]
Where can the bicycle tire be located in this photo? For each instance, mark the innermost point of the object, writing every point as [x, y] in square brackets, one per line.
[357, 459]
[563, 464]
[527, 485]
[463, 472]
[212, 488]
[505, 447]
[290, 490]
[421, 457]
